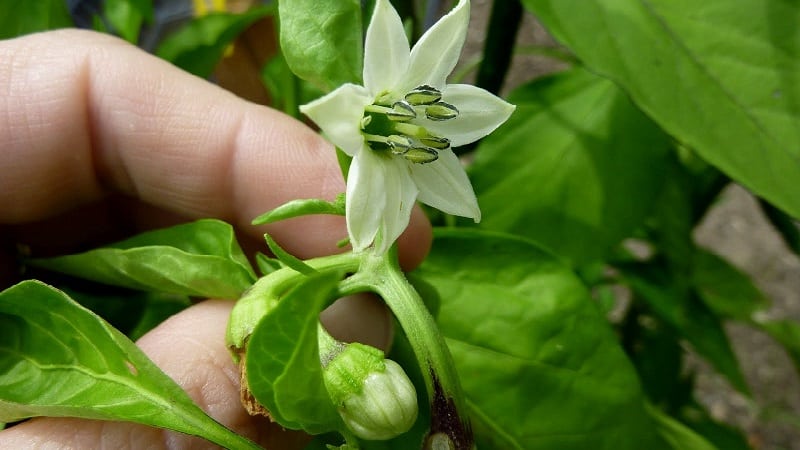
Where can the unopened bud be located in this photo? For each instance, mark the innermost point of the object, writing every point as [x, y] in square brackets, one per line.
[374, 396]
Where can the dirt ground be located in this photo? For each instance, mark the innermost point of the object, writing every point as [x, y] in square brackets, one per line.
[736, 229]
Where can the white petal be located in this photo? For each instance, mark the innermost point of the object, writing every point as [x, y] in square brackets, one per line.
[436, 53]
[366, 198]
[479, 113]
[401, 193]
[386, 51]
[444, 185]
[339, 115]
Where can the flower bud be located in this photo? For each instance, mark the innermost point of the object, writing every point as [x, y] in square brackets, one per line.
[374, 396]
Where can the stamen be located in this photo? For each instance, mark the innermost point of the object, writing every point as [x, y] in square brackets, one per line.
[436, 142]
[401, 112]
[399, 144]
[441, 111]
[423, 95]
[421, 155]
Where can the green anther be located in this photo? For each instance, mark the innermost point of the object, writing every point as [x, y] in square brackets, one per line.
[440, 111]
[439, 143]
[421, 155]
[423, 95]
[399, 144]
[401, 112]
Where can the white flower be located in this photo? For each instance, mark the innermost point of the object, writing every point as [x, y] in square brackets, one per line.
[400, 126]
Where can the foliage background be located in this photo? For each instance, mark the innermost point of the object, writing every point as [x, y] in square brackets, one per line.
[735, 228]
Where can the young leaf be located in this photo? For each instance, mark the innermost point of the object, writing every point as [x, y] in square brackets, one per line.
[201, 258]
[287, 258]
[528, 340]
[60, 359]
[18, 18]
[282, 361]
[200, 44]
[722, 77]
[304, 207]
[127, 16]
[322, 41]
[576, 168]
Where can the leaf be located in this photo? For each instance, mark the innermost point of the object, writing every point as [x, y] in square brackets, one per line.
[287, 258]
[304, 207]
[127, 16]
[284, 373]
[724, 288]
[200, 44]
[60, 359]
[678, 435]
[540, 365]
[19, 18]
[322, 41]
[680, 308]
[576, 168]
[201, 259]
[722, 77]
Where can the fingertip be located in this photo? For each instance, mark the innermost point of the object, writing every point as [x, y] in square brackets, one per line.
[415, 243]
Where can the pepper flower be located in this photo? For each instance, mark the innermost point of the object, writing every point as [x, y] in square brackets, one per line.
[401, 125]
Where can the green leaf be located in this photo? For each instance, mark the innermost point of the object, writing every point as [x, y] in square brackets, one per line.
[678, 306]
[322, 41]
[21, 17]
[304, 207]
[60, 359]
[678, 435]
[539, 363]
[722, 77]
[201, 259]
[200, 44]
[576, 168]
[127, 16]
[282, 359]
[724, 288]
[287, 258]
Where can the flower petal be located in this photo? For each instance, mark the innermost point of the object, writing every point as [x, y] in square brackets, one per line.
[401, 193]
[479, 113]
[386, 51]
[366, 198]
[436, 53]
[339, 115]
[444, 185]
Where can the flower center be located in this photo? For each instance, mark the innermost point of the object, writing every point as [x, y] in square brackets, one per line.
[387, 125]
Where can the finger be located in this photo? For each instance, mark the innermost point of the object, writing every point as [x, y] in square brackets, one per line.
[87, 114]
[190, 348]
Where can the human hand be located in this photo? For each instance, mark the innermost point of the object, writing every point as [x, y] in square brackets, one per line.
[101, 140]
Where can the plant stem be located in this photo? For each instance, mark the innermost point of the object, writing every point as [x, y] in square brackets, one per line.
[500, 38]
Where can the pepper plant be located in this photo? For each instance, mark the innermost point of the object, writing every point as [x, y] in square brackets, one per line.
[502, 338]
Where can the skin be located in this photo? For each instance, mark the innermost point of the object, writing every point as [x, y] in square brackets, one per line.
[99, 141]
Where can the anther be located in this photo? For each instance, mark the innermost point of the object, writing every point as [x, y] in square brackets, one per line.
[421, 155]
[436, 142]
[401, 111]
[440, 111]
[400, 145]
[423, 95]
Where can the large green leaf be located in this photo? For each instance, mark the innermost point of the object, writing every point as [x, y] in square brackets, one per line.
[60, 359]
[576, 168]
[721, 76]
[322, 41]
[539, 363]
[282, 359]
[201, 258]
[199, 45]
[18, 18]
